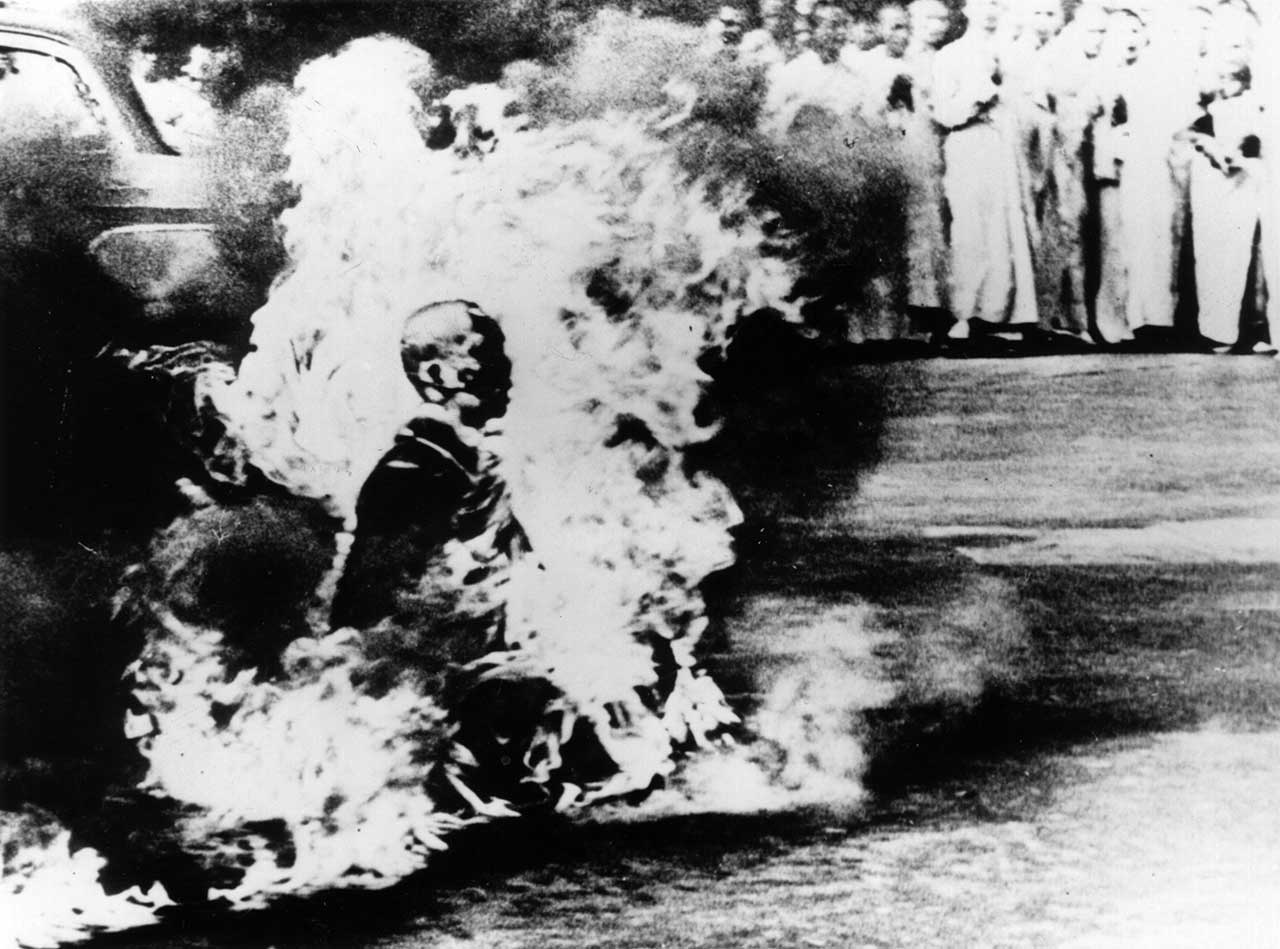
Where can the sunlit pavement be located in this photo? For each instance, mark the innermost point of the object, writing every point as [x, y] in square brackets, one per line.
[1052, 588]
[1078, 563]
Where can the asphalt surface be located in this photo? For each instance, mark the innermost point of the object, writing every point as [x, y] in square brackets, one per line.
[1022, 619]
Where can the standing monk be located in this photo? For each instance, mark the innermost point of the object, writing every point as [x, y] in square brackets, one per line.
[725, 30]
[991, 270]
[811, 78]
[1139, 198]
[885, 64]
[1227, 194]
[1076, 87]
[1029, 78]
[1267, 77]
[802, 25]
[927, 255]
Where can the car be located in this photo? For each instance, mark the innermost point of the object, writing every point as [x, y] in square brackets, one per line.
[107, 240]
[151, 228]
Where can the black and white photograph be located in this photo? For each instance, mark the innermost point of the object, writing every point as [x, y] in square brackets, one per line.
[652, 474]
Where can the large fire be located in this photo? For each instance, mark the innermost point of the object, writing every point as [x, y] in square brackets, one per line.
[535, 644]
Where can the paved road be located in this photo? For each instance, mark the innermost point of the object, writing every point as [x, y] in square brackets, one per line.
[1028, 609]
[1072, 440]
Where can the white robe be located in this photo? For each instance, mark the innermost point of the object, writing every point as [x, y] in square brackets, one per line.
[807, 81]
[1226, 211]
[877, 71]
[1141, 213]
[991, 270]
[1057, 103]
[1267, 81]
[1028, 73]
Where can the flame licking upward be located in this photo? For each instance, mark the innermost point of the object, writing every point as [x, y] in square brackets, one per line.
[337, 755]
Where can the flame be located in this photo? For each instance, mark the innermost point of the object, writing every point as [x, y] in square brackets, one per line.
[319, 400]
[569, 586]
[50, 894]
[342, 768]
[803, 744]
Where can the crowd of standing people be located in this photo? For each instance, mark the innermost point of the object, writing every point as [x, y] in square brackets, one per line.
[1089, 170]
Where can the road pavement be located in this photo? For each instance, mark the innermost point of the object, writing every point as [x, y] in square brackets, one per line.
[1020, 616]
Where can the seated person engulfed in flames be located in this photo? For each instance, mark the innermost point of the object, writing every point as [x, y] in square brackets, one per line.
[435, 537]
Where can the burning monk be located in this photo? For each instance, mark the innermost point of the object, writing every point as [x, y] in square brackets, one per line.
[253, 625]
[409, 663]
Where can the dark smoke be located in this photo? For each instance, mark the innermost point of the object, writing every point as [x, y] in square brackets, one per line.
[244, 166]
[268, 41]
[835, 184]
[56, 311]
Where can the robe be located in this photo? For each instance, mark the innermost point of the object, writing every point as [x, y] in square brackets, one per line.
[991, 267]
[1267, 82]
[1139, 203]
[1076, 103]
[807, 81]
[1226, 214]
[1028, 73]
[927, 252]
[878, 72]
[898, 97]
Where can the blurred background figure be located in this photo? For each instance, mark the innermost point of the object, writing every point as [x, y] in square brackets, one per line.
[812, 78]
[861, 37]
[1012, 26]
[1266, 77]
[884, 67]
[1183, 48]
[893, 27]
[1076, 84]
[830, 30]
[1040, 21]
[1029, 69]
[885, 78]
[1200, 17]
[1113, 135]
[991, 268]
[733, 24]
[769, 44]
[1227, 180]
[930, 26]
[1139, 280]
[802, 24]
[1033, 24]
[1045, 20]
[927, 253]
[727, 27]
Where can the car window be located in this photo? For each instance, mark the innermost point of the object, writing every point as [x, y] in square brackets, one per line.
[42, 96]
[183, 116]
